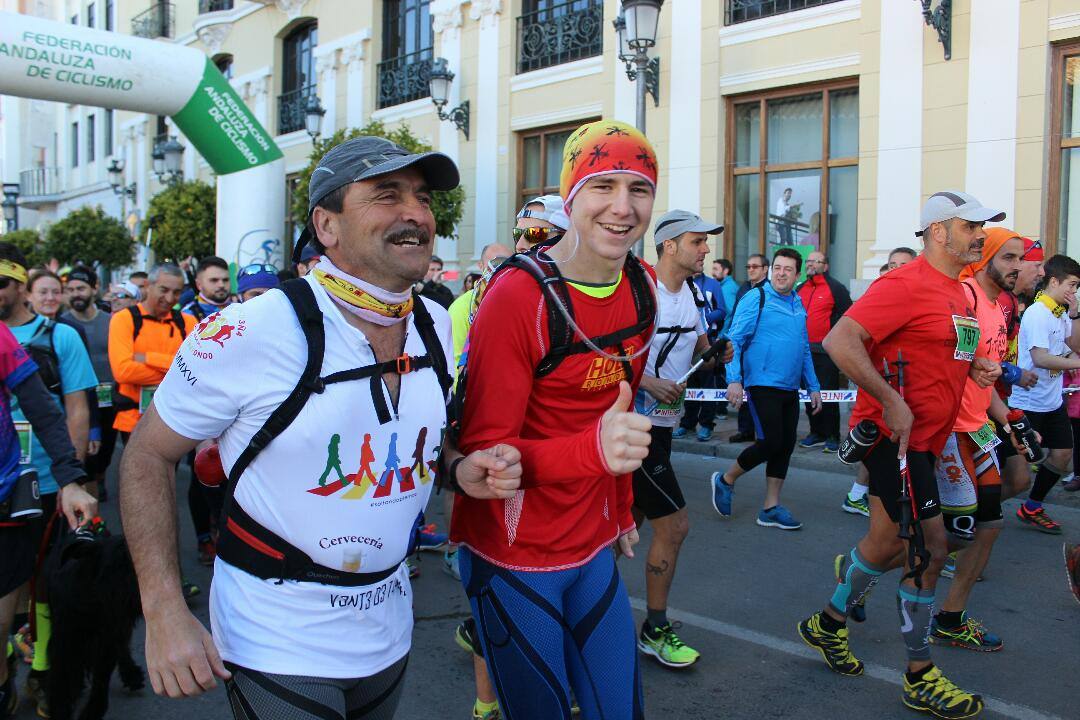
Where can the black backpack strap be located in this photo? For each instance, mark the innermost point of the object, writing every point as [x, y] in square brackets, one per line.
[136, 321]
[310, 317]
[425, 326]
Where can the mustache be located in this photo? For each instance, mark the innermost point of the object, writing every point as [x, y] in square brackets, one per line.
[409, 233]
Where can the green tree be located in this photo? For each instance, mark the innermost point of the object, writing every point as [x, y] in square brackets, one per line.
[184, 219]
[29, 243]
[89, 236]
[447, 206]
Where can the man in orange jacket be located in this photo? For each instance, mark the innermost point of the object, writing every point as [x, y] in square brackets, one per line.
[142, 342]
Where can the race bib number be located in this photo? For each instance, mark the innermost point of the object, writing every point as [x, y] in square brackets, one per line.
[985, 438]
[104, 395]
[663, 409]
[26, 444]
[146, 396]
[967, 337]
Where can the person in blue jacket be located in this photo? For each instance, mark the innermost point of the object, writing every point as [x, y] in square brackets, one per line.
[771, 361]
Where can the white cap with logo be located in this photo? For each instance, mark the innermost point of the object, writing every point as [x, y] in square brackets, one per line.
[948, 204]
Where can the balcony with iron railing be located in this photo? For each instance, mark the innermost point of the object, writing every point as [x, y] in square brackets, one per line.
[291, 109]
[560, 34]
[738, 11]
[209, 6]
[40, 184]
[159, 20]
[404, 78]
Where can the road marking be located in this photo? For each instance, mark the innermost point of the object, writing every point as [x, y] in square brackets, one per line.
[788, 647]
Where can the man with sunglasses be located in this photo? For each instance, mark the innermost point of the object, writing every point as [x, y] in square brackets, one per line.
[541, 220]
[256, 279]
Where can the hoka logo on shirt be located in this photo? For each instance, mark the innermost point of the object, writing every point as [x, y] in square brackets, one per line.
[604, 372]
[391, 480]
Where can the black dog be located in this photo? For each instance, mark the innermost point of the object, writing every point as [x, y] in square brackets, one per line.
[94, 604]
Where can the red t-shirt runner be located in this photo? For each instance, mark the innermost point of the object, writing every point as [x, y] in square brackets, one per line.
[570, 506]
[918, 310]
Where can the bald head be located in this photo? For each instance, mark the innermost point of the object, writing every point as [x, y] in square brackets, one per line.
[491, 252]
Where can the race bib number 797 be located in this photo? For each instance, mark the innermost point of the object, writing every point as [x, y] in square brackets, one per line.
[967, 337]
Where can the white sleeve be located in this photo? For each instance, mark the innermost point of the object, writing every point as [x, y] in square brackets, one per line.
[1035, 329]
[211, 376]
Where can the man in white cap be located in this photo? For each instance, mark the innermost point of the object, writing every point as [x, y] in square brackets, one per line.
[682, 243]
[542, 219]
[919, 320]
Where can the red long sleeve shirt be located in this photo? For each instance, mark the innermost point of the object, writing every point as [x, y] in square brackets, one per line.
[570, 506]
[817, 298]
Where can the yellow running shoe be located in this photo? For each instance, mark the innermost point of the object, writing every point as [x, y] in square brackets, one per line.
[832, 646]
[935, 694]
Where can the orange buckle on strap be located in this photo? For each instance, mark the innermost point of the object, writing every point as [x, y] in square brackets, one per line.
[404, 365]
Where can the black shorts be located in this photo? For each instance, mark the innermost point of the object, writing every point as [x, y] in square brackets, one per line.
[1054, 427]
[884, 469]
[18, 553]
[656, 489]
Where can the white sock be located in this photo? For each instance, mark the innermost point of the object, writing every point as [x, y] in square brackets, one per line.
[857, 492]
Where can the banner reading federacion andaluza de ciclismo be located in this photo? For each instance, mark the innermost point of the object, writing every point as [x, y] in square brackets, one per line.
[50, 60]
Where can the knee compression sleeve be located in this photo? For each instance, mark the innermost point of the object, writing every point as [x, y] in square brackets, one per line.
[916, 608]
[856, 578]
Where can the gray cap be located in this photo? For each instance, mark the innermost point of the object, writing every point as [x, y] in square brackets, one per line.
[948, 204]
[552, 212]
[674, 223]
[366, 157]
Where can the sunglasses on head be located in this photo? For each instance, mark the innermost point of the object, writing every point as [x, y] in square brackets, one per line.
[1035, 245]
[256, 268]
[534, 235]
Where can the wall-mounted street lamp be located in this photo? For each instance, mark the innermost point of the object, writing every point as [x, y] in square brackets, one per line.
[439, 87]
[313, 115]
[940, 18]
[116, 179]
[11, 206]
[168, 157]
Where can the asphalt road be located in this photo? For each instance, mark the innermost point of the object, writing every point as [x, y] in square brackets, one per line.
[739, 592]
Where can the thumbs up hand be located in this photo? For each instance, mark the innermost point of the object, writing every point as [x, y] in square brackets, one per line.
[624, 435]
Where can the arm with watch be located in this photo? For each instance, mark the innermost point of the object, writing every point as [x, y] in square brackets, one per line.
[493, 473]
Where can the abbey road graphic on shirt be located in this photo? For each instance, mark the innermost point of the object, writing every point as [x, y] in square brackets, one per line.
[392, 478]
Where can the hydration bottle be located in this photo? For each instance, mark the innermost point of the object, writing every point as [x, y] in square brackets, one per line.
[858, 443]
[1021, 428]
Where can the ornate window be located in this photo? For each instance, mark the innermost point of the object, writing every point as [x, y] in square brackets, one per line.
[407, 48]
[297, 76]
[738, 11]
[552, 32]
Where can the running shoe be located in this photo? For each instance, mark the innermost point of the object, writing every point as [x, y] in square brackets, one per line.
[450, 564]
[832, 646]
[492, 714]
[1038, 520]
[778, 517]
[23, 643]
[831, 446]
[35, 691]
[935, 694]
[811, 441]
[741, 437]
[413, 563]
[856, 507]
[679, 433]
[465, 637]
[207, 553]
[663, 644]
[1072, 486]
[971, 635]
[431, 540]
[721, 494]
[1072, 568]
[857, 613]
[704, 434]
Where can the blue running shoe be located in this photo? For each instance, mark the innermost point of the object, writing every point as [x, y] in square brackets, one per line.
[704, 434]
[431, 540]
[811, 441]
[831, 446]
[678, 433]
[721, 494]
[778, 517]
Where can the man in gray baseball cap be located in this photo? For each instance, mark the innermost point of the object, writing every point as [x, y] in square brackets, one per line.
[948, 204]
[541, 220]
[363, 158]
[674, 223]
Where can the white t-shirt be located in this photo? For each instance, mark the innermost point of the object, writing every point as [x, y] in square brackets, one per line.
[234, 369]
[676, 309]
[1039, 328]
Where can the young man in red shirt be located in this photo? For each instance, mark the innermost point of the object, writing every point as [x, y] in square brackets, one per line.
[550, 608]
[921, 312]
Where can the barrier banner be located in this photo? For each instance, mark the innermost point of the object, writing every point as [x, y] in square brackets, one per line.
[717, 395]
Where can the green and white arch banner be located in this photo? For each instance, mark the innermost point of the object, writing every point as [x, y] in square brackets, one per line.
[49, 60]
